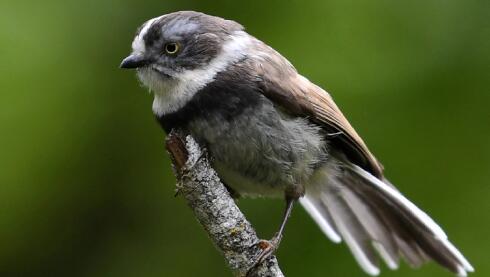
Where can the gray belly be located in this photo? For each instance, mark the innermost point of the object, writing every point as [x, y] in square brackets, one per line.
[261, 152]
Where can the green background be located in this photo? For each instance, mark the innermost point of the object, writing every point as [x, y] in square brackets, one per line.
[85, 183]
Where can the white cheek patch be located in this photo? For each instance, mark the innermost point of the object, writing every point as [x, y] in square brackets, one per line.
[173, 94]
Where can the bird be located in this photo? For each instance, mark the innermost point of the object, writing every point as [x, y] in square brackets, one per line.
[270, 132]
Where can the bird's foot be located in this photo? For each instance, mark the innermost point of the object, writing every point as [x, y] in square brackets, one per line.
[267, 249]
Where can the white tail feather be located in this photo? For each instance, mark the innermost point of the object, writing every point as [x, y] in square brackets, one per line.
[343, 221]
[418, 213]
[368, 214]
[467, 266]
[422, 216]
[382, 239]
[388, 258]
[322, 222]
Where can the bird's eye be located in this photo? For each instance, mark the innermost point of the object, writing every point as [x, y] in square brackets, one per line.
[172, 48]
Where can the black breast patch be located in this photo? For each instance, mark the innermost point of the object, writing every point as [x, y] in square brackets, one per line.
[228, 95]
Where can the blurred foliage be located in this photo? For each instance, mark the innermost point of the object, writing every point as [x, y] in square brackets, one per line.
[85, 184]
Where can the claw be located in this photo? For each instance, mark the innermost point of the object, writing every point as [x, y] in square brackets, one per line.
[268, 248]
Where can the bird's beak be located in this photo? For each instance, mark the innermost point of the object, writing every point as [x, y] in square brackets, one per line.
[134, 61]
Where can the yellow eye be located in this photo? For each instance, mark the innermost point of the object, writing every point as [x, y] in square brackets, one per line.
[172, 48]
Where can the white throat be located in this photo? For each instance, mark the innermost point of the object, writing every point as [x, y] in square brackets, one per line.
[173, 94]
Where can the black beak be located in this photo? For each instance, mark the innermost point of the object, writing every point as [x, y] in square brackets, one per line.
[134, 61]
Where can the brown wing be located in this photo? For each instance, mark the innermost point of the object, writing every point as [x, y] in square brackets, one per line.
[285, 87]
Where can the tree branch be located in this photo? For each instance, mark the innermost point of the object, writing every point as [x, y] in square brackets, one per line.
[216, 210]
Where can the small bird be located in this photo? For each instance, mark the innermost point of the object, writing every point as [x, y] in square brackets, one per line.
[270, 132]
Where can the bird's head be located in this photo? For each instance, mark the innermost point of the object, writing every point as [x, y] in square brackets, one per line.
[184, 49]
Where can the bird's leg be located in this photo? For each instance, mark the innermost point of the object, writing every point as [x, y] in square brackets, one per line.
[268, 247]
[287, 212]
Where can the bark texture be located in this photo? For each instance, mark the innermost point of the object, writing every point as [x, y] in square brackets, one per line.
[216, 210]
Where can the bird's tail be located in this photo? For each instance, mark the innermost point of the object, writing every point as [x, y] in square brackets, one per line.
[370, 215]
